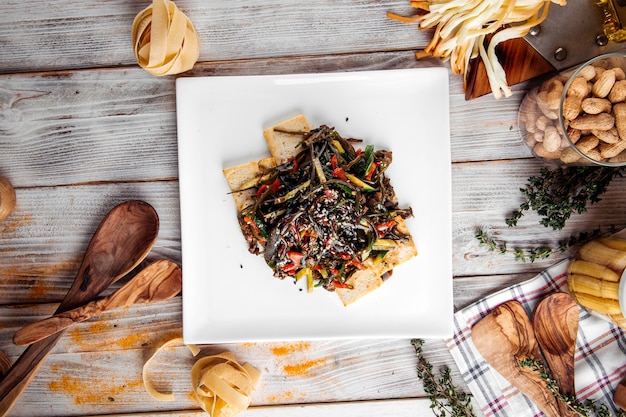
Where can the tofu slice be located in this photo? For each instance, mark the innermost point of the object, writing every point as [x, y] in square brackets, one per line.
[366, 280]
[283, 139]
[241, 175]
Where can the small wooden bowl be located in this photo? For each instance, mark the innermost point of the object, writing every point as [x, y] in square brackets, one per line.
[7, 198]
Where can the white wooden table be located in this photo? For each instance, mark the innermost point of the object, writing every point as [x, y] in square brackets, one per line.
[83, 128]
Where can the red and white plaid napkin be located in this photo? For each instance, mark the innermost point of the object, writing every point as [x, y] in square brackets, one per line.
[600, 360]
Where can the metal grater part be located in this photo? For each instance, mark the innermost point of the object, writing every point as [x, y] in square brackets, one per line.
[571, 35]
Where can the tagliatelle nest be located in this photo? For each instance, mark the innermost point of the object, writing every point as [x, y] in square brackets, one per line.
[164, 39]
[222, 386]
[461, 28]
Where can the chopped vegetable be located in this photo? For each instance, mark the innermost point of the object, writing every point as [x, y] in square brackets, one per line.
[320, 215]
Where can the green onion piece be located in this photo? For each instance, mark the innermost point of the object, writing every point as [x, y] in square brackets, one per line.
[337, 145]
[319, 170]
[369, 158]
[301, 273]
[384, 244]
[359, 183]
[261, 226]
[379, 257]
[309, 280]
[292, 193]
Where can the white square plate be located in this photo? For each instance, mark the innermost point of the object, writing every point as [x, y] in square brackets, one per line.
[230, 295]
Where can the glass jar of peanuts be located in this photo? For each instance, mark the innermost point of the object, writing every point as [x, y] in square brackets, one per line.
[578, 117]
[595, 278]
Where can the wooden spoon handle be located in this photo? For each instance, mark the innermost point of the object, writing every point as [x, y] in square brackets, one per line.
[132, 227]
[37, 331]
[555, 322]
[23, 370]
[503, 338]
[619, 395]
[34, 332]
[160, 281]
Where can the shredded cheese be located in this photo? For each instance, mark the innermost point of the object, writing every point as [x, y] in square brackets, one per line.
[461, 28]
[164, 39]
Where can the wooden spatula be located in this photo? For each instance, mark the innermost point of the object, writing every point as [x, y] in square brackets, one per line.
[619, 397]
[159, 281]
[505, 337]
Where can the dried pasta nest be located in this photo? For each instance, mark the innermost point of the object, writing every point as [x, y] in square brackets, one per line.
[164, 39]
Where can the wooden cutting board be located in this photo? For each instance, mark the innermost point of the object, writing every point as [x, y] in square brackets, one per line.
[520, 61]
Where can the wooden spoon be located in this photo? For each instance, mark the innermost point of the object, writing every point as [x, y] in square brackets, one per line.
[619, 396]
[7, 198]
[5, 364]
[159, 281]
[504, 337]
[123, 239]
[555, 321]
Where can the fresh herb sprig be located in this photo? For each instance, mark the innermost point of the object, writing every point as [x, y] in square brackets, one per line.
[541, 252]
[445, 398]
[585, 408]
[558, 193]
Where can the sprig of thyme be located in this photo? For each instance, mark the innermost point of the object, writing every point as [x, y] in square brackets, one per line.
[541, 252]
[558, 193]
[586, 408]
[447, 400]
[443, 394]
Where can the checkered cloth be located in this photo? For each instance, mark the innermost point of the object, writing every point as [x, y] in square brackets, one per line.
[600, 360]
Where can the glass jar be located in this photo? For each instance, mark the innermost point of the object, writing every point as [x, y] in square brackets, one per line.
[578, 117]
[594, 278]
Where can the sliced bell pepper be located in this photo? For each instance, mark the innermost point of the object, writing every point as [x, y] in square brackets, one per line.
[295, 257]
[340, 173]
[383, 228]
[371, 171]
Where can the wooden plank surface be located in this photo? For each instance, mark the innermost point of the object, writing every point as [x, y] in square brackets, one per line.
[398, 408]
[82, 128]
[52, 35]
[107, 118]
[43, 240]
[117, 344]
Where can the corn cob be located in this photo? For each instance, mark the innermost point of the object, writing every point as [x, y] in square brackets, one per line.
[619, 320]
[593, 286]
[596, 252]
[592, 269]
[601, 305]
[613, 242]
